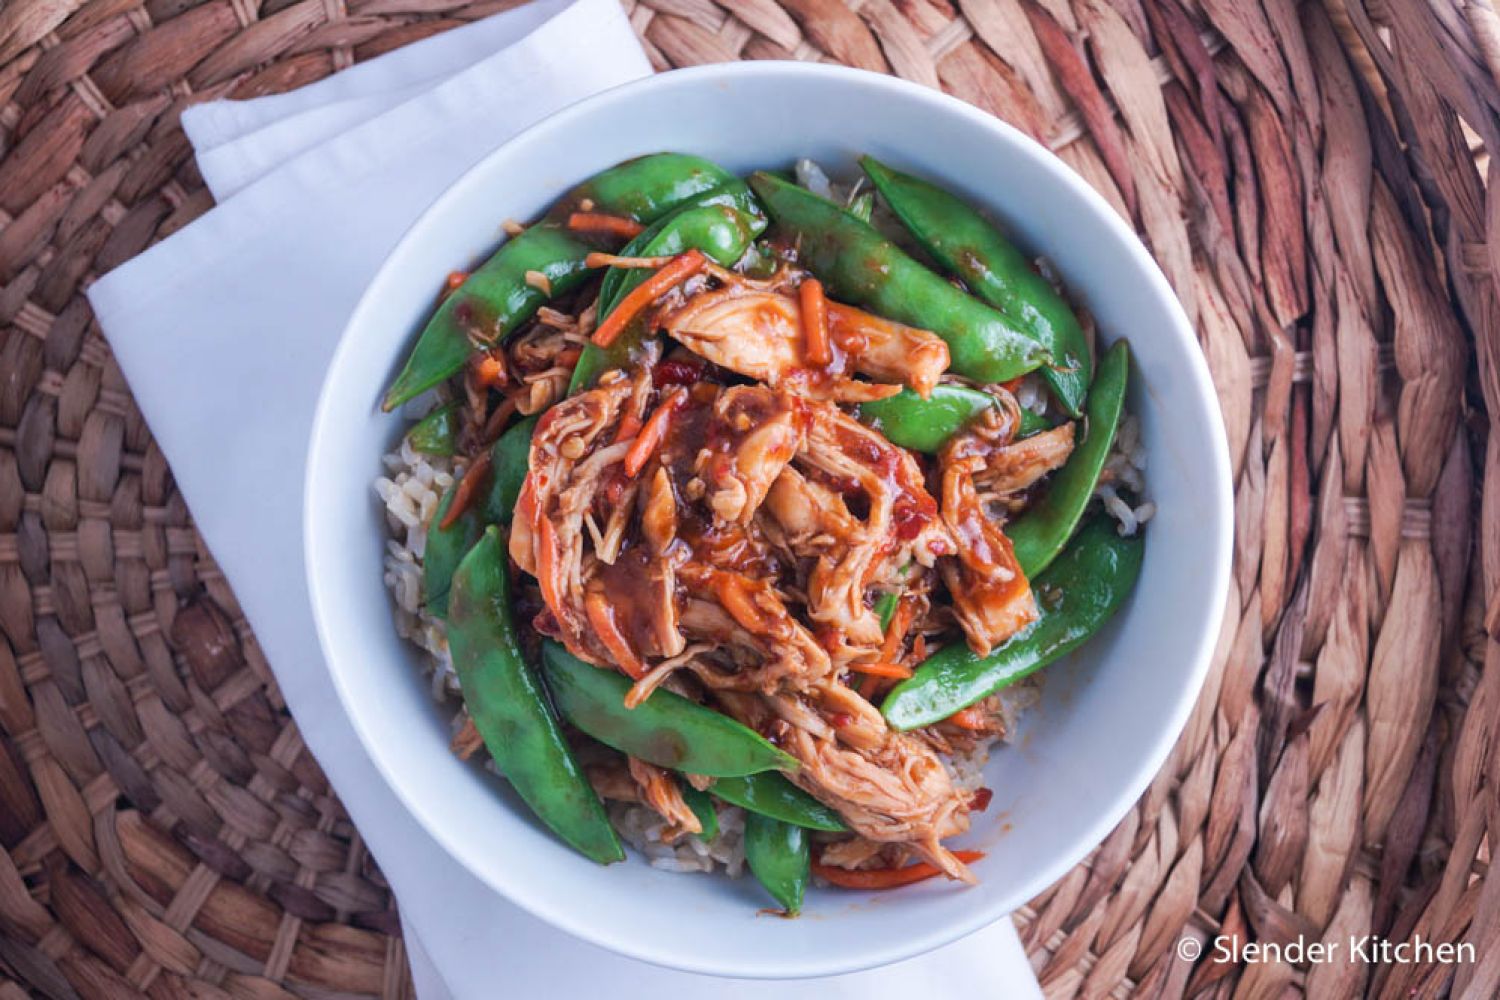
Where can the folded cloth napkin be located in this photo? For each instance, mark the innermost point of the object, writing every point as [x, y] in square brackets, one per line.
[224, 331]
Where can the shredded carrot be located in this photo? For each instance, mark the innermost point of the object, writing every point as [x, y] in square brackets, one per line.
[890, 650]
[894, 670]
[597, 259]
[546, 562]
[734, 596]
[1011, 385]
[497, 420]
[598, 222]
[967, 718]
[682, 267]
[602, 619]
[652, 434]
[885, 878]
[896, 631]
[815, 321]
[489, 371]
[568, 358]
[456, 278]
[467, 489]
[630, 426]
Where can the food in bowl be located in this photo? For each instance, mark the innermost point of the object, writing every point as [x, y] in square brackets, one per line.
[740, 531]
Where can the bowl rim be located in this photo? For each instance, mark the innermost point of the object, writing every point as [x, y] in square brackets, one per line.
[1106, 816]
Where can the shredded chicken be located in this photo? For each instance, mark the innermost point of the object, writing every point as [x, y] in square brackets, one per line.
[758, 333]
[730, 542]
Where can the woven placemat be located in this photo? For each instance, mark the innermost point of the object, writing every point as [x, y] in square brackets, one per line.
[1312, 178]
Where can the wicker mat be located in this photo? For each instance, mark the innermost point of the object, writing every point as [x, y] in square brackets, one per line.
[1313, 180]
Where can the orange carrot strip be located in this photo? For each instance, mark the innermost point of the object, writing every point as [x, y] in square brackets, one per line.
[546, 563]
[597, 259]
[735, 598]
[489, 371]
[682, 267]
[468, 488]
[815, 321]
[456, 278]
[497, 420]
[885, 878]
[605, 627]
[630, 426]
[894, 670]
[598, 222]
[967, 718]
[652, 434]
[896, 631]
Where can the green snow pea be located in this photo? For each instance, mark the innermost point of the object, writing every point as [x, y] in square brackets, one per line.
[436, 433]
[781, 858]
[446, 547]
[496, 298]
[860, 266]
[666, 729]
[1076, 595]
[645, 188]
[1040, 534]
[702, 805]
[910, 421]
[995, 271]
[721, 230]
[771, 794]
[509, 706]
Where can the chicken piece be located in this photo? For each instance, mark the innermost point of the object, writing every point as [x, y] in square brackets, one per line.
[991, 596]
[887, 351]
[851, 555]
[856, 852]
[1018, 465]
[898, 793]
[612, 780]
[758, 333]
[749, 616]
[895, 791]
[659, 515]
[660, 791]
[756, 433]
[567, 469]
[610, 603]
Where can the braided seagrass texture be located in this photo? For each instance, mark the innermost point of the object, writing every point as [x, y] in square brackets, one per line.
[1312, 178]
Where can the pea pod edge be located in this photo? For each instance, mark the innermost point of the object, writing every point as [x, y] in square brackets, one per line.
[510, 709]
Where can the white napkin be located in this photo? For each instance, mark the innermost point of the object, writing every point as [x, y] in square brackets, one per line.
[224, 331]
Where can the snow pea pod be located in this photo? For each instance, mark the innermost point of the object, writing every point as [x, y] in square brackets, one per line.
[771, 794]
[702, 805]
[781, 858]
[436, 433]
[1040, 534]
[1076, 595]
[995, 271]
[721, 230]
[860, 266]
[494, 300]
[497, 297]
[666, 729]
[509, 706]
[446, 546]
[910, 421]
[645, 188]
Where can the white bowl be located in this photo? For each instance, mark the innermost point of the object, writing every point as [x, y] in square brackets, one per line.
[1108, 716]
